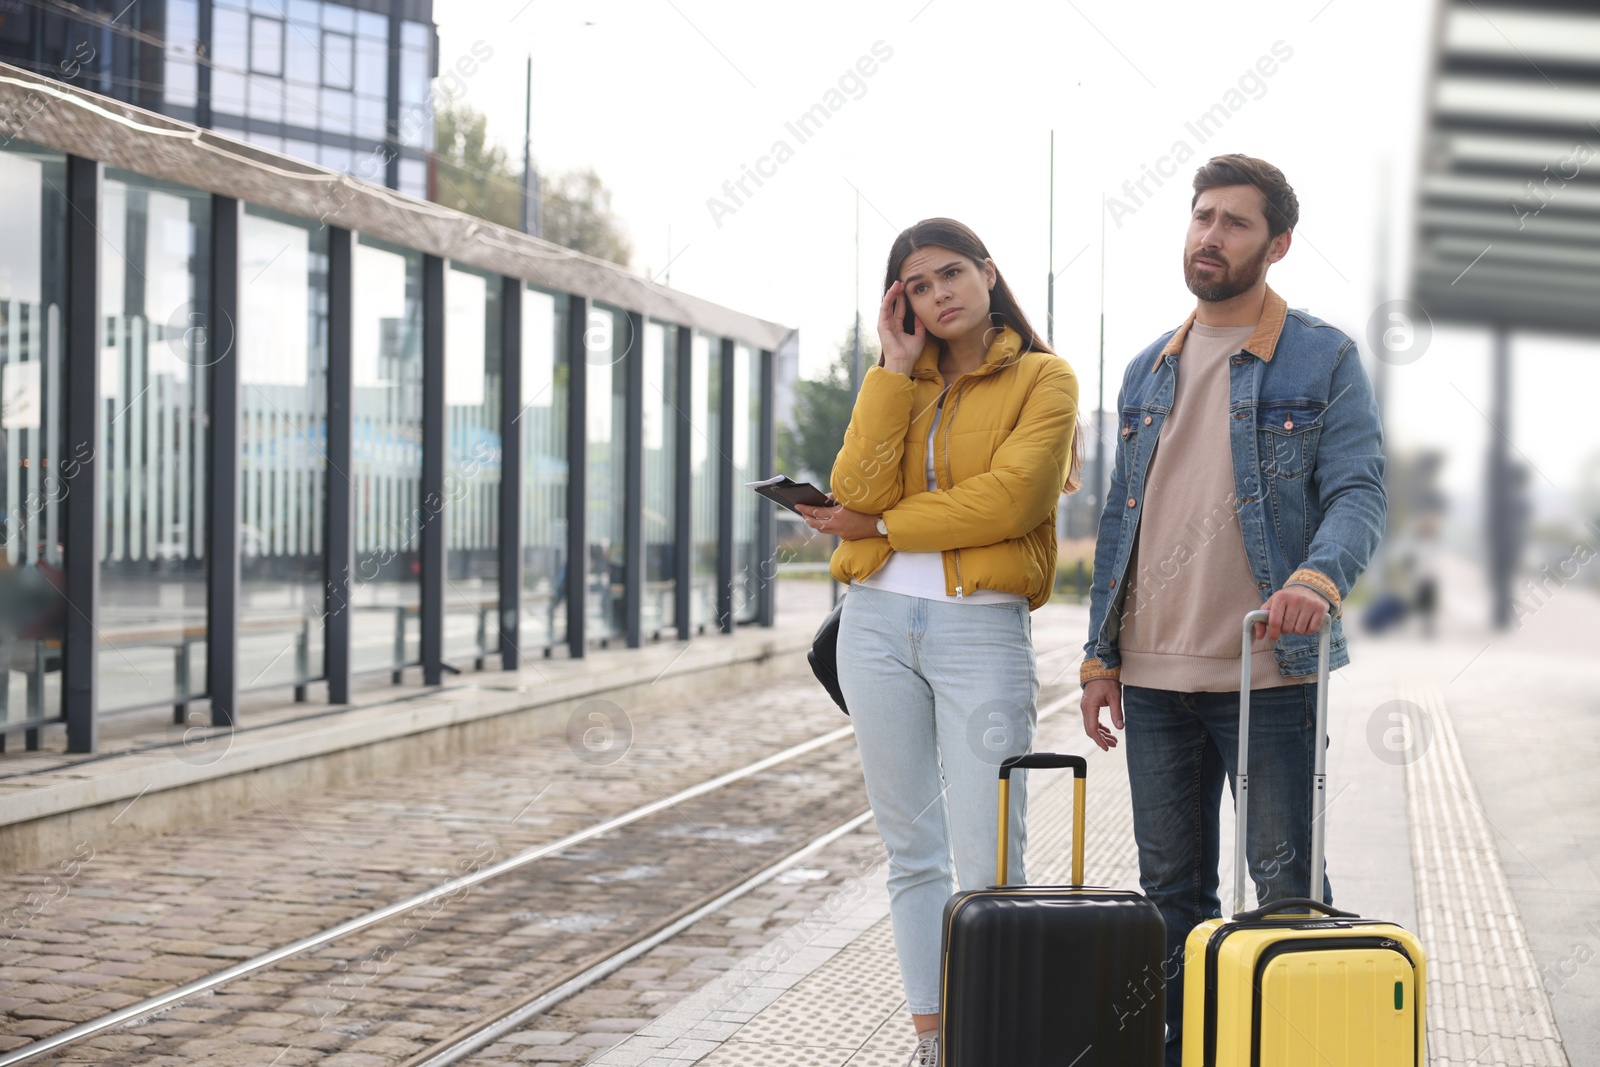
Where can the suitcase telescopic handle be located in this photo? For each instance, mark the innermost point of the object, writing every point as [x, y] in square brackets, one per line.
[1319, 770]
[1294, 904]
[1043, 761]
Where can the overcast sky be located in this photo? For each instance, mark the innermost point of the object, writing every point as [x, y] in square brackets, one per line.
[946, 108]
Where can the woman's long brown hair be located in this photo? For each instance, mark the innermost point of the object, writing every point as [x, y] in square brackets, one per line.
[959, 238]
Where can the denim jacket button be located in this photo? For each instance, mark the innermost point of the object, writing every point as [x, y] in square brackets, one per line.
[1288, 424]
[1148, 420]
[1130, 501]
[1125, 431]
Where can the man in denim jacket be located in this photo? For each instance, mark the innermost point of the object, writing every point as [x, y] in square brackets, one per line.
[1249, 475]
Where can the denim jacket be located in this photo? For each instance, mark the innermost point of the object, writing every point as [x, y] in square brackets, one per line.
[1307, 471]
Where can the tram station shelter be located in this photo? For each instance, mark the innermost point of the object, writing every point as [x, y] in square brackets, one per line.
[1507, 233]
[269, 426]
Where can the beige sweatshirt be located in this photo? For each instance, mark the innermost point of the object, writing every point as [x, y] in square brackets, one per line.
[1189, 581]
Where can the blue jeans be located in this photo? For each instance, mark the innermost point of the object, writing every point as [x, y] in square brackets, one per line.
[940, 694]
[1180, 747]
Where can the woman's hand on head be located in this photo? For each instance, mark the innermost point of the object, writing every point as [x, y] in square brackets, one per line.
[840, 521]
[900, 349]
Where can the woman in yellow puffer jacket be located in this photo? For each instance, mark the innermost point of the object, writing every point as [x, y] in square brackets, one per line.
[960, 445]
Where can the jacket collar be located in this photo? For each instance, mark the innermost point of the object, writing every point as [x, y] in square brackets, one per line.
[1263, 342]
[1004, 350]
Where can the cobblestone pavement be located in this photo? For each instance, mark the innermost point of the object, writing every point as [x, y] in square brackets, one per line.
[611, 1010]
[106, 928]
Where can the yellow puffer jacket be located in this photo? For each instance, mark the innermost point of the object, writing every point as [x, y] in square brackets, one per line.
[1001, 456]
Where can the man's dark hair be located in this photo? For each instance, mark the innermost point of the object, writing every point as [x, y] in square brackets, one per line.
[1282, 206]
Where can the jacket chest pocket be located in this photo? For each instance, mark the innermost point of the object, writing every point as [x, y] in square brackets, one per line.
[1134, 420]
[1286, 437]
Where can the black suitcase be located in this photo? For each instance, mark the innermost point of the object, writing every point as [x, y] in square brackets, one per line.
[1064, 976]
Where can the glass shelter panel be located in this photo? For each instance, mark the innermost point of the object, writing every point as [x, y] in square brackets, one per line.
[705, 406]
[659, 430]
[606, 345]
[386, 455]
[472, 463]
[155, 305]
[542, 426]
[33, 285]
[746, 454]
[283, 432]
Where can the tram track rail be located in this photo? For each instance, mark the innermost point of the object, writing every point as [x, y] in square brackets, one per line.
[481, 1035]
[508, 1019]
[132, 1013]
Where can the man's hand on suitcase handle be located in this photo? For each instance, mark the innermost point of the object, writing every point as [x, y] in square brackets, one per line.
[1102, 693]
[1294, 609]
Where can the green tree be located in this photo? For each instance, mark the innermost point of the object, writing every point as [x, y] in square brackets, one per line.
[479, 177]
[821, 413]
[474, 174]
[576, 213]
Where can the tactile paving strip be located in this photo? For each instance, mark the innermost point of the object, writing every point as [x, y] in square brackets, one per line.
[1486, 1004]
[841, 1004]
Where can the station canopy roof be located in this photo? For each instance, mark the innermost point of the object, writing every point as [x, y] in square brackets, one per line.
[1508, 213]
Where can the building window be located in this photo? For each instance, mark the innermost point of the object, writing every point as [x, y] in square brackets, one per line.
[266, 46]
[338, 60]
[183, 36]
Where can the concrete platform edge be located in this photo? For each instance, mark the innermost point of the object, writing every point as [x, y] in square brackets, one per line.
[144, 794]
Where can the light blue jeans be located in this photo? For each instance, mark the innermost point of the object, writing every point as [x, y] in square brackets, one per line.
[940, 694]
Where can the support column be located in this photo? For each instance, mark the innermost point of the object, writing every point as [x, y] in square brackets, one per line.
[510, 471]
[431, 509]
[341, 491]
[633, 483]
[577, 474]
[766, 517]
[221, 362]
[683, 488]
[725, 494]
[80, 470]
[202, 102]
[1504, 539]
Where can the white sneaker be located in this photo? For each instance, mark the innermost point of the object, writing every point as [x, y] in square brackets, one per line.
[927, 1053]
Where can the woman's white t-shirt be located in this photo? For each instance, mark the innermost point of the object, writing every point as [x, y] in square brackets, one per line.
[921, 574]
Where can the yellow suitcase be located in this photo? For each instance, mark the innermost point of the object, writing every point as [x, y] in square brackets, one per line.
[1278, 987]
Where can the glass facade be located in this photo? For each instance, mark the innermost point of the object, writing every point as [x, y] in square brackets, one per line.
[386, 456]
[283, 440]
[154, 362]
[705, 417]
[659, 431]
[542, 424]
[32, 303]
[607, 343]
[309, 78]
[472, 463]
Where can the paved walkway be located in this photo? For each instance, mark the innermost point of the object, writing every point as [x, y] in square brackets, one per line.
[1462, 805]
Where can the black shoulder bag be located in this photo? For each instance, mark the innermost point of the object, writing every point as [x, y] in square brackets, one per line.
[824, 654]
